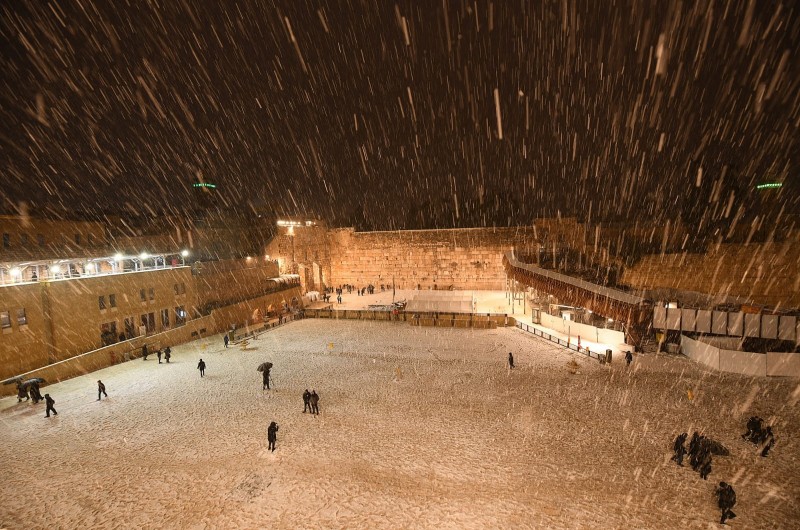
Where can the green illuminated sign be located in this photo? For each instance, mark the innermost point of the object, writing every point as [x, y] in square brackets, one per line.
[769, 185]
[203, 185]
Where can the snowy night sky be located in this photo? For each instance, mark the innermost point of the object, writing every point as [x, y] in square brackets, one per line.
[403, 114]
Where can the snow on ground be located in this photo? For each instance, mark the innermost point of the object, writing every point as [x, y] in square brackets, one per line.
[419, 428]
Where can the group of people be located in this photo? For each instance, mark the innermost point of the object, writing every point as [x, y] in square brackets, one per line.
[700, 449]
[32, 388]
[311, 402]
[760, 435]
[166, 352]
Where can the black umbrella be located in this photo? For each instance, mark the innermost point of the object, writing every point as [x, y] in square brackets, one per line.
[13, 380]
[35, 380]
[264, 367]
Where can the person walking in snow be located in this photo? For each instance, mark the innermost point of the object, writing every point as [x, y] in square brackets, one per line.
[158, 354]
[314, 401]
[101, 390]
[202, 367]
[225, 339]
[145, 353]
[265, 379]
[679, 449]
[694, 450]
[167, 354]
[50, 408]
[22, 392]
[306, 401]
[36, 395]
[769, 441]
[628, 357]
[272, 435]
[726, 500]
[510, 360]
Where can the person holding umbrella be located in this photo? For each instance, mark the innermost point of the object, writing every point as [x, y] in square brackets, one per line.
[22, 392]
[33, 386]
[264, 368]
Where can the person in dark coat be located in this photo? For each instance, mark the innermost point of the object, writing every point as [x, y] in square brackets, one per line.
[145, 353]
[306, 401]
[202, 367]
[769, 441]
[101, 389]
[314, 401]
[694, 449]
[265, 379]
[679, 449]
[754, 429]
[158, 354]
[272, 435]
[22, 392]
[50, 402]
[225, 339]
[167, 354]
[704, 460]
[510, 360]
[36, 395]
[628, 357]
[726, 500]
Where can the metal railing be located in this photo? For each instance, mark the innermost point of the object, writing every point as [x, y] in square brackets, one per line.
[561, 342]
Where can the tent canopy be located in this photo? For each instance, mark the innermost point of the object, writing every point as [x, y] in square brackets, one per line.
[442, 302]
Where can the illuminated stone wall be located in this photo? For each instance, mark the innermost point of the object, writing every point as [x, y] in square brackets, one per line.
[766, 273]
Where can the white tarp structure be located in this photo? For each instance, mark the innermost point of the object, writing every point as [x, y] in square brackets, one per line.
[442, 302]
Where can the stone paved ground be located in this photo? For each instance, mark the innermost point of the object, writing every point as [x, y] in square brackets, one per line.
[420, 428]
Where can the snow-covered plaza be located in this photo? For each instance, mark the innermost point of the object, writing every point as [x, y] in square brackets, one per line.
[419, 428]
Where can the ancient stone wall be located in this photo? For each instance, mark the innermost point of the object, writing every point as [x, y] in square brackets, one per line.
[430, 259]
[763, 273]
[228, 281]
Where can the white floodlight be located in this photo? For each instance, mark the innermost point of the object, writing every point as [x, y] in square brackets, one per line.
[144, 255]
[55, 269]
[184, 253]
[117, 257]
[16, 272]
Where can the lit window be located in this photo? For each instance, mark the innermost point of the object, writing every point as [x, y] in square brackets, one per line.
[143, 295]
[152, 294]
[5, 320]
[22, 319]
[112, 300]
[101, 302]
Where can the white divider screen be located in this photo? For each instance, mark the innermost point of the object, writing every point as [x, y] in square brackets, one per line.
[735, 324]
[752, 325]
[703, 321]
[786, 328]
[719, 323]
[769, 326]
[660, 317]
[673, 318]
[688, 317]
